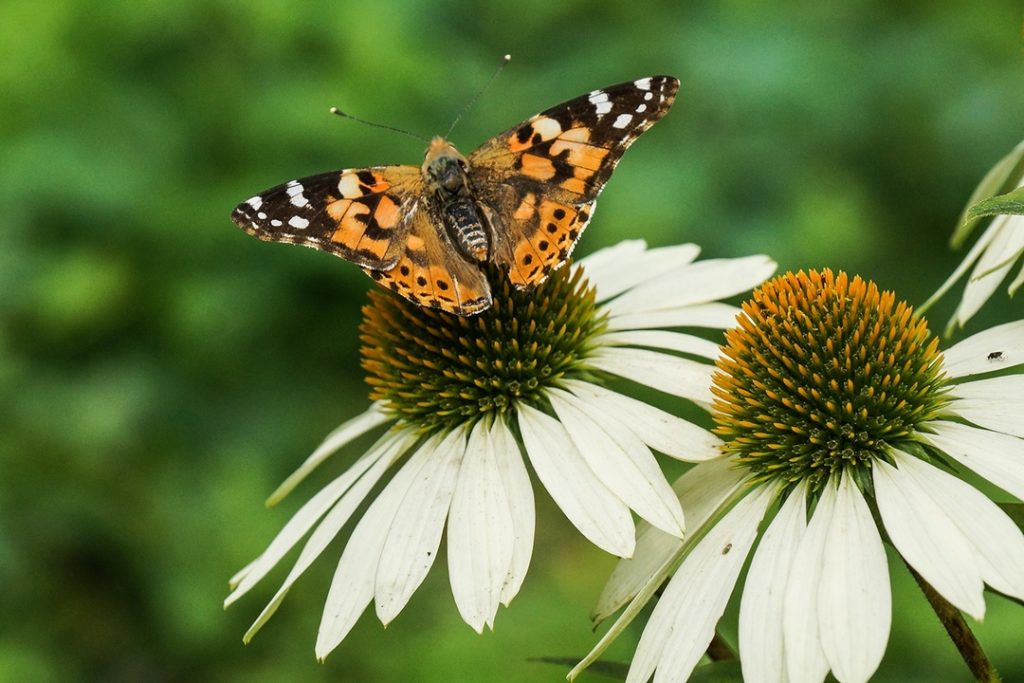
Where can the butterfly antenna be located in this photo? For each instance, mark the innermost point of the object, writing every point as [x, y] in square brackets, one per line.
[338, 112]
[504, 60]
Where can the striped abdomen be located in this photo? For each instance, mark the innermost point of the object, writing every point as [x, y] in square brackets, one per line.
[465, 228]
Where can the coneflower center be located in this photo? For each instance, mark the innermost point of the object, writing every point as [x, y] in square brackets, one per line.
[821, 374]
[440, 370]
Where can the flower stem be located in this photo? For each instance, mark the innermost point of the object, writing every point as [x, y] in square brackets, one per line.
[960, 633]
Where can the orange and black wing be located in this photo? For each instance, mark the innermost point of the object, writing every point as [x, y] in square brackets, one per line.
[538, 182]
[431, 272]
[362, 214]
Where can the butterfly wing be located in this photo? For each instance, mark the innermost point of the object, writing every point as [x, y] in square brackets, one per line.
[360, 214]
[538, 182]
[430, 272]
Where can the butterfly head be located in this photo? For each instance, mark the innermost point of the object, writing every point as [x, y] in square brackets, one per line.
[445, 167]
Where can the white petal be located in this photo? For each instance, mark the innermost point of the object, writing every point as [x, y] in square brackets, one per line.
[972, 355]
[662, 431]
[698, 593]
[991, 268]
[716, 316]
[520, 502]
[700, 491]
[606, 260]
[805, 659]
[702, 282]
[927, 538]
[996, 542]
[415, 534]
[480, 533]
[997, 457]
[996, 403]
[854, 597]
[346, 432]
[625, 270]
[352, 586]
[621, 461]
[661, 339]
[761, 645]
[327, 530]
[589, 505]
[671, 374]
[387, 449]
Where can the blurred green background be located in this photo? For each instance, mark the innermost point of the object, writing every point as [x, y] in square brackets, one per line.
[161, 372]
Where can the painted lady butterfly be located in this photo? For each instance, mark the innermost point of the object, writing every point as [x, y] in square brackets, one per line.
[520, 200]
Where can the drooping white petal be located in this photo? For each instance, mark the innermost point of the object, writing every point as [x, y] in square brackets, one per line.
[673, 375]
[328, 529]
[805, 658]
[702, 282]
[991, 268]
[387, 449]
[661, 339]
[697, 595]
[621, 461]
[995, 403]
[997, 457]
[972, 255]
[973, 355]
[926, 537]
[854, 598]
[353, 583]
[520, 503]
[760, 629]
[345, 433]
[662, 431]
[415, 534]
[700, 491]
[617, 269]
[996, 542]
[480, 532]
[716, 316]
[590, 506]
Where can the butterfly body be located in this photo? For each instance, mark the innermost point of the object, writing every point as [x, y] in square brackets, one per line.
[521, 200]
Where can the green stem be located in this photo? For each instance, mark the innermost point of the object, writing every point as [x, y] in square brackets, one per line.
[719, 650]
[959, 632]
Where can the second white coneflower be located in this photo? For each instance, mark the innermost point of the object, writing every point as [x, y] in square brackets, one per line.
[464, 399]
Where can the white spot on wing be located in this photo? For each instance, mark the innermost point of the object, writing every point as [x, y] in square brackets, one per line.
[598, 96]
[276, 223]
[548, 128]
[262, 216]
[298, 222]
[348, 186]
[641, 108]
[255, 202]
[622, 120]
[602, 108]
[647, 96]
[643, 83]
[294, 189]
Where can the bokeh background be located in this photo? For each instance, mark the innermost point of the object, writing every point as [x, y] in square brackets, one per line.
[161, 372]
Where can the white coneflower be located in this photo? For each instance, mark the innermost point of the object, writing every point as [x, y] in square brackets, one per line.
[835, 403]
[1000, 246]
[464, 398]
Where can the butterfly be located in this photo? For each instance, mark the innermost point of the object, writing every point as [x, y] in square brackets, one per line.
[521, 201]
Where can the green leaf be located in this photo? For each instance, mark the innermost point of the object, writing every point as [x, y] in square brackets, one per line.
[1001, 178]
[1000, 205]
[1014, 511]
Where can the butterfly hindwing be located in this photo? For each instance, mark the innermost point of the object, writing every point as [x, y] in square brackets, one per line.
[431, 273]
[358, 214]
[540, 180]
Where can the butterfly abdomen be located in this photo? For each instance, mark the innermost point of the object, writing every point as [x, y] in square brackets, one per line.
[466, 229]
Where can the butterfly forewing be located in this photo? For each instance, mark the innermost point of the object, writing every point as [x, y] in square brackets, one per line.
[360, 215]
[541, 179]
